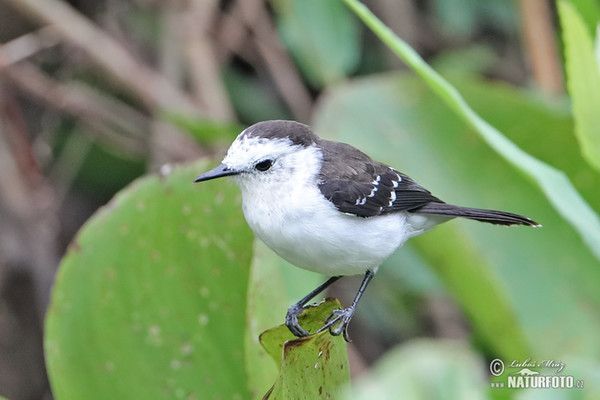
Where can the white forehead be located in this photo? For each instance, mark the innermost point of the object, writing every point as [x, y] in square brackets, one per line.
[246, 150]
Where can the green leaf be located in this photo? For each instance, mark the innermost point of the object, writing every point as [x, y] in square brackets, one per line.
[583, 81]
[554, 183]
[205, 131]
[585, 372]
[475, 59]
[313, 367]
[597, 45]
[501, 277]
[589, 10]
[150, 299]
[99, 170]
[251, 98]
[425, 369]
[542, 129]
[322, 36]
[464, 17]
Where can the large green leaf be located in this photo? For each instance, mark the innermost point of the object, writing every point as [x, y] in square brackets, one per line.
[501, 277]
[149, 302]
[583, 80]
[323, 37]
[544, 130]
[553, 182]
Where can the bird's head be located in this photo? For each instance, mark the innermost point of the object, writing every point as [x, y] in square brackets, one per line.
[269, 152]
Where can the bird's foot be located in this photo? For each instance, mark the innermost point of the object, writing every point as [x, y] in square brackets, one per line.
[338, 321]
[291, 320]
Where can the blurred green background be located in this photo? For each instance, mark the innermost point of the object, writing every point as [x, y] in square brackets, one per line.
[94, 94]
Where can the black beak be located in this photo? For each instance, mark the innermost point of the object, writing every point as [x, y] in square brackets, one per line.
[218, 172]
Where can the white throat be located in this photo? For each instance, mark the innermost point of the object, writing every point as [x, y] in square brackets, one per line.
[288, 189]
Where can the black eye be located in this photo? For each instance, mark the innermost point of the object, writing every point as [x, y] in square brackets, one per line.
[264, 165]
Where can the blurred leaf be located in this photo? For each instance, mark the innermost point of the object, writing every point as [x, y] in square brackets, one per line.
[545, 132]
[583, 75]
[322, 36]
[589, 11]
[456, 259]
[150, 300]
[298, 282]
[422, 370]
[397, 300]
[414, 273]
[584, 370]
[205, 131]
[557, 147]
[103, 170]
[313, 367]
[464, 17]
[469, 61]
[501, 277]
[252, 102]
[597, 45]
[554, 183]
[456, 17]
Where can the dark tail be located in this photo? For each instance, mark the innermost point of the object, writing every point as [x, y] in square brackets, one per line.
[491, 216]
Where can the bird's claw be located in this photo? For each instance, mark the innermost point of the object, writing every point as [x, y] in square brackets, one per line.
[338, 322]
[291, 320]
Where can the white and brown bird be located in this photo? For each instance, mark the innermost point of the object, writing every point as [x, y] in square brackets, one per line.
[329, 208]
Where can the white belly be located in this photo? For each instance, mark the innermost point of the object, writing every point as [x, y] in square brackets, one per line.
[315, 236]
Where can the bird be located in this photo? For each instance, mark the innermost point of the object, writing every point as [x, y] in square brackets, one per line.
[327, 207]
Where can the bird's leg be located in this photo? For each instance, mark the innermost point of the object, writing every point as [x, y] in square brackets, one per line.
[291, 318]
[338, 321]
